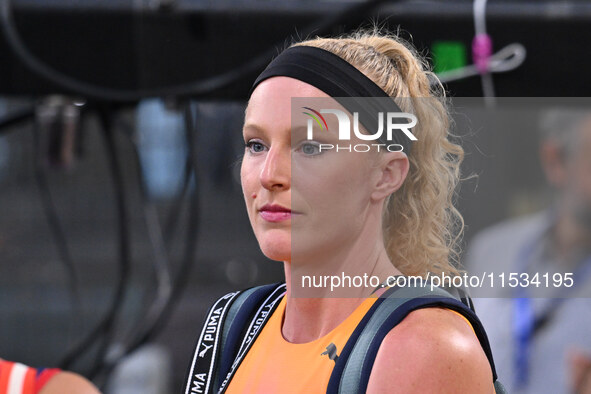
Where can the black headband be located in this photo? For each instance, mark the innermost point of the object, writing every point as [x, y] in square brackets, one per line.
[339, 79]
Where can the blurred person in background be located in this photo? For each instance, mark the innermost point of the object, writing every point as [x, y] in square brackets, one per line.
[543, 345]
[16, 378]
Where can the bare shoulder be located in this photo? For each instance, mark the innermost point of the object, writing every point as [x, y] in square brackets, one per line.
[68, 382]
[431, 350]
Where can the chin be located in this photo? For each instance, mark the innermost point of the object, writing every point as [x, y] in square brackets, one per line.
[278, 250]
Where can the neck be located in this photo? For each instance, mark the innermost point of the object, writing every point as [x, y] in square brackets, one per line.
[317, 313]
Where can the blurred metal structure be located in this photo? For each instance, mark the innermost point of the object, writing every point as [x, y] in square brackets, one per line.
[151, 45]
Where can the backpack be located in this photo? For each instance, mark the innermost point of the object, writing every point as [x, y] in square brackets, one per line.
[234, 321]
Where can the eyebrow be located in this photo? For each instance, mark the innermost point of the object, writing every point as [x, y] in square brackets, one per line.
[257, 129]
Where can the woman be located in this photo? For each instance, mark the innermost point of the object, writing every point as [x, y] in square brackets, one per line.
[378, 214]
[16, 378]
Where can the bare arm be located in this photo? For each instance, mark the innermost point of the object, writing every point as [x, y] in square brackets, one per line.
[68, 382]
[431, 350]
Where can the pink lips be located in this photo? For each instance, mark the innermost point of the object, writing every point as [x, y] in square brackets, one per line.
[274, 213]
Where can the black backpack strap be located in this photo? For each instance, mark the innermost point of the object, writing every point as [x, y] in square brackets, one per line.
[232, 310]
[236, 306]
[249, 321]
[353, 367]
[202, 371]
[235, 331]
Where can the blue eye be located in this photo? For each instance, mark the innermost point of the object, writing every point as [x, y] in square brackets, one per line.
[310, 148]
[255, 146]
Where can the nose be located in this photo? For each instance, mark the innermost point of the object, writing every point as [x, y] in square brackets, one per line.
[276, 172]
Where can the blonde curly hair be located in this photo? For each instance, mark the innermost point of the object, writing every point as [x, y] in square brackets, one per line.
[422, 227]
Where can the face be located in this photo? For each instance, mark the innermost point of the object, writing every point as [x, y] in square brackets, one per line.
[301, 201]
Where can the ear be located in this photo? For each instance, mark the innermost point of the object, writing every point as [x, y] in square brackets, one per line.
[393, 169]
[553, 161]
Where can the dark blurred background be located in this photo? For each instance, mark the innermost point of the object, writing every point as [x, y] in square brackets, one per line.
[120, 203]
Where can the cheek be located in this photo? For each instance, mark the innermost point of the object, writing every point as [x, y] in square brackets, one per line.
[247, 170]
[353, 179]
[248, 181]
[243, 174]
[333, 189]
[335, 192]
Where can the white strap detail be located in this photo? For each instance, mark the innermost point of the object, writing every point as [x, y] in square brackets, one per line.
[16, 381]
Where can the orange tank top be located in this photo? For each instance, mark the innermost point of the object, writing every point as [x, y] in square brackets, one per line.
[274, 365]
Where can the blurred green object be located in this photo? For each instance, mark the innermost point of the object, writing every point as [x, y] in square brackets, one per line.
[448, 55]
